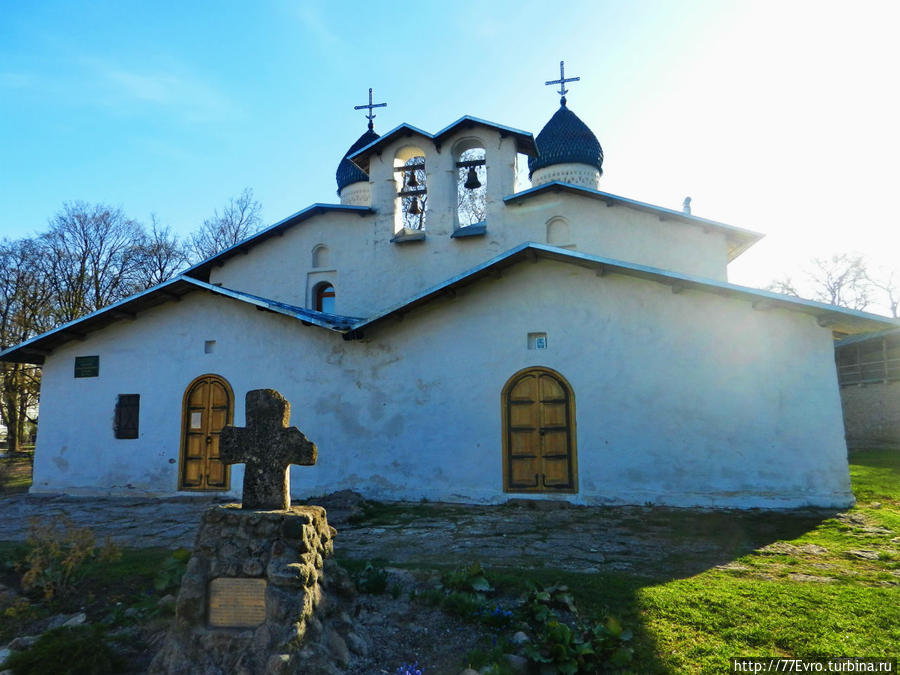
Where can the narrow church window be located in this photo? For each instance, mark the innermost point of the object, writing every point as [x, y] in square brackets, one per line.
[471, 187]
[557, 231]
[324, 297]
[412, 191]
[127, 415]
[320, 256]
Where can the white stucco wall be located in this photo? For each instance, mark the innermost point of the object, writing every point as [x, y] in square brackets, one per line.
[362, 250]
[682, 399]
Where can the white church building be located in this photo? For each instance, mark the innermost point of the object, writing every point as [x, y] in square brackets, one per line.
[441, 335]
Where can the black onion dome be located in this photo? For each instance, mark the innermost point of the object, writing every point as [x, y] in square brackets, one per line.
[566, 139]
[347, 171]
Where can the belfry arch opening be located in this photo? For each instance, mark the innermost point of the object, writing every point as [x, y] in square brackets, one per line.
[411, 204]
[539, 450]
[471, 182]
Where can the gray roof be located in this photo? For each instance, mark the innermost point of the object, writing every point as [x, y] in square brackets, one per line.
[739, 239]
[35, 349]
[566, 139]
[201, 269]
[524, 140]
[837, 318]
[864, 337]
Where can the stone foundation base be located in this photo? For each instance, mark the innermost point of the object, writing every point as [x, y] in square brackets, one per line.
[273, 561]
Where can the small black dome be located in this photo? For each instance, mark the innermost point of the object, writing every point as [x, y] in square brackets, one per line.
[347, 171]
[566, 139]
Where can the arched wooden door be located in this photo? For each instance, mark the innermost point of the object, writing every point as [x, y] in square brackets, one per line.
[539, 433]
[208, 407]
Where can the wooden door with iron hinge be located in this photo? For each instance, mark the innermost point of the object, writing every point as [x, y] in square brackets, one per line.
[208, 407]
[539, 433]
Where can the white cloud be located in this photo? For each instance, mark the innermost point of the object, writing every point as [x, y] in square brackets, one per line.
[183, 94]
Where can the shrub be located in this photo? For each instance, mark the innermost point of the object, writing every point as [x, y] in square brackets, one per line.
[371, 579]
[468, 578]
[172, 570]
[79, 650]
[583, 649]
[57, 554]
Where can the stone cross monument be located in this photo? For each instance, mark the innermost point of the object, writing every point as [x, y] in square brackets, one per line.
[268, 447]
[250, 598]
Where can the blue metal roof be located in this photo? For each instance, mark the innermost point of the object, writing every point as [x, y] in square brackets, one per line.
[35, 349]
[201, 269]
[566, 139]
[524, 140]
[863, 337]
[347, 172]
[827, 315]
[740, 238]
[837, 318]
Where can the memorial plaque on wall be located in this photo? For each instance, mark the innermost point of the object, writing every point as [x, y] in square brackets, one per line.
[236, 602]
[87, 366]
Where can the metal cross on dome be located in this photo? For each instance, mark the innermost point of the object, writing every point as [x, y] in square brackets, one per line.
[369, 115]
[562, 82]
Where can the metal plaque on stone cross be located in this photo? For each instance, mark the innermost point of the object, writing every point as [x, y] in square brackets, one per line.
[236, 602]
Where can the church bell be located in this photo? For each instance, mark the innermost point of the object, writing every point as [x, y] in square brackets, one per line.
[472, 181]
[411, 180]
[414, 207]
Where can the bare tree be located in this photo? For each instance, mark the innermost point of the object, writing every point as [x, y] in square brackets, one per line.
[162, 255]
[24, 312]
[93, 257]
[841, 280]
[886, 283]
[239, 219]
[848, 281]
[784, 286]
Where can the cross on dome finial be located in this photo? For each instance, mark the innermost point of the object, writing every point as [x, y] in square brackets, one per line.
[562, 82]
[369, 115]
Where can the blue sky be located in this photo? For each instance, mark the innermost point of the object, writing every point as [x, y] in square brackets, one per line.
[776, 116]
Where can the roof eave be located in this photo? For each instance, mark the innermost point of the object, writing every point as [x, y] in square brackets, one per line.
[201, 270]
[41, 345]
[524, 139]
[37, 348]
[837, 318]
[740, 239]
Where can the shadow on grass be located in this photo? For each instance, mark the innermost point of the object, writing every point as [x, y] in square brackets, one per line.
[696, 586]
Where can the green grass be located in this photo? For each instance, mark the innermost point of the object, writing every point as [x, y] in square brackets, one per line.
[801, 593]
[797, 585]
[124, 582]
[694, 625]
[15, 473]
